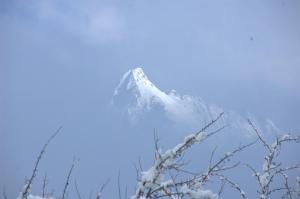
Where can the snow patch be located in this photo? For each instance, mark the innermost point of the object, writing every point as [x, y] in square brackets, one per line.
[199, 193]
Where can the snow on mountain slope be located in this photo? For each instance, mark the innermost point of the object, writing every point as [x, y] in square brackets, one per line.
[136, 95]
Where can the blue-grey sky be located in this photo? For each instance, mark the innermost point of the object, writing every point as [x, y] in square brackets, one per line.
[239, 55]
[61, 60]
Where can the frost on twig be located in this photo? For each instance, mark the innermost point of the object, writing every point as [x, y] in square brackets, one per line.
[272, 168]
[153, 183]
[153, 178]
[234, 186]
[167, 177]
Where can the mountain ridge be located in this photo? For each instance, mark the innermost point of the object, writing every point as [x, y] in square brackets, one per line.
[137, 96]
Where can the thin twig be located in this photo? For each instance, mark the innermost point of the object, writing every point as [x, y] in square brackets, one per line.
[77, 190]
[30, 181]
[259, 135]
[221, 187]
[101, 189]
[44, 185]
[68, 180]
[125, 194]
[4, 193]
[119, 186]
[234, 186]
[212, 156]
[104, 185]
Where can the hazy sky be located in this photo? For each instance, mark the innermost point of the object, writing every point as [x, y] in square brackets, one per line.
[240, 55]
[61, 60]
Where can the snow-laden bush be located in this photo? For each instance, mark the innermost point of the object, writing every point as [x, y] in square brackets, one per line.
[158, 182]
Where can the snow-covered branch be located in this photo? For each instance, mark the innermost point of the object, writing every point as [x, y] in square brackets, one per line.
[152, 183]
[234, 186]
[153, 178]
[272, 168]
[168, 177]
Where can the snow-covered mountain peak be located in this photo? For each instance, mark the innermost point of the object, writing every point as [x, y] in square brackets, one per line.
[139, 75]
[137, 96]
[133, 79]
[136, 83]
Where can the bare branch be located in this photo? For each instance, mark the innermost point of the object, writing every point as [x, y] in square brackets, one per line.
[99, 194]
[104, 185]
[125, 194]
[119, 186]
[223, 182]
[259, 135]
[217, 166]
[212, 156]
[30, 181]
[68, 180]
[4, 193]
[77, 190]
[44, 185]
[234, 185]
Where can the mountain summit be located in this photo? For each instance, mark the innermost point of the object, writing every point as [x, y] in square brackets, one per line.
[137, 83]
[137, 96]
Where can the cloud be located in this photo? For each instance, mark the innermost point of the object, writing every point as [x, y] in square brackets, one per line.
[91, 22]
[106, 24]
